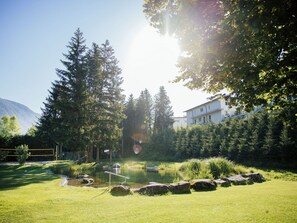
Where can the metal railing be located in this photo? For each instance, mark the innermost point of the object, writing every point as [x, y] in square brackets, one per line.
[115, 174]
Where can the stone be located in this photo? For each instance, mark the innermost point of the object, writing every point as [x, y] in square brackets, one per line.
[255, 177]
[153, 189]
[87, 180]
[223, 183]
[80, 176]
[238, 180]
[203, 185]
[120, 190]
[182, 187]
[152, 169]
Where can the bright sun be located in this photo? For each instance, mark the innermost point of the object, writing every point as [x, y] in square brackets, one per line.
[151, 61]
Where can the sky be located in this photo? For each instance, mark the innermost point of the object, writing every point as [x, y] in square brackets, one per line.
[34, 35]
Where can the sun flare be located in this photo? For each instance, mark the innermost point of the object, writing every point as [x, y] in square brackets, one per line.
[152, 57]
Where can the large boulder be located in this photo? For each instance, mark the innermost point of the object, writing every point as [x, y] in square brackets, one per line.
[87, 181]
[203, 185]
[255, 177]
[239, 180]
[223, 183]
[120, 190]
[182, 187]
[153, 189]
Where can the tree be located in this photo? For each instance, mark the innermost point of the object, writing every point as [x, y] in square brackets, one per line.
[113, 98]
[72, 94]
[9, 126]
[143, 117]
[129, 126]
[246, 47]
[163, 112]
[85, 106]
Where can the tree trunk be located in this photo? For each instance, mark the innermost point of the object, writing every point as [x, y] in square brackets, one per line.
[97, 155]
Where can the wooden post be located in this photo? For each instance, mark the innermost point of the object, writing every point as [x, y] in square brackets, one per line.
[57, 148]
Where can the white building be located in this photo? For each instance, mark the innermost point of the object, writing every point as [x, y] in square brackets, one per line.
[215, 110]
[179, 122]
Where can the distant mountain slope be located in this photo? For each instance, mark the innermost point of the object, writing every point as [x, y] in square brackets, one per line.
[25, 116]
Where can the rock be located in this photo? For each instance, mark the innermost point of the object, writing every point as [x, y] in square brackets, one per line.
[255, 177]
[120, 190]
[203, 185]
[239, 180]
[87, 180]
[182, 187]
[153, 189]
[80, 176]
[223, 183]
[152, 169]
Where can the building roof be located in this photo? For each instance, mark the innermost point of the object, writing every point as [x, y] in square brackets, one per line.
[212, 99]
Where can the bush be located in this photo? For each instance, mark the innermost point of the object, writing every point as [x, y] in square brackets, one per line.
[3, 155]
[212, 168]
[220, 167]
[23, 153]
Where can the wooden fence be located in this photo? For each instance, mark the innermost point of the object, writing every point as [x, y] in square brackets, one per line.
[45, 152]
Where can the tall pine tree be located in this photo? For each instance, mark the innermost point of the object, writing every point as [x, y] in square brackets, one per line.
[163, 111]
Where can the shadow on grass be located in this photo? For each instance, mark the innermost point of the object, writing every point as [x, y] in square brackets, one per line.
[13, 176]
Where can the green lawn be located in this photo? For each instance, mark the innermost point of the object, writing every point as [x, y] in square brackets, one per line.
[28, 194]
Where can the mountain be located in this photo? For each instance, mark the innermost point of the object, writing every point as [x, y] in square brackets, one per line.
[25, 116]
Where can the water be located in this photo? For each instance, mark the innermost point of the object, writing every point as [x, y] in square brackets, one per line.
[137, 178]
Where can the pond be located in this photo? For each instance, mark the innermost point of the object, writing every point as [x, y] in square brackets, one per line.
[137, 177]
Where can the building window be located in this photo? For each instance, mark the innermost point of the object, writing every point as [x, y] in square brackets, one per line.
[199, 119]
[209, 117]
[201, 109]
[208, 107]
[203, 119]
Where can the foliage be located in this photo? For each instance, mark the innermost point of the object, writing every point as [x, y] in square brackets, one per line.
[213, 168]
[261, 137]
[163, 112]
[246, 47]
[23, 153]
[9, 126]
[149, 123]
[85, 107]
[3, 155]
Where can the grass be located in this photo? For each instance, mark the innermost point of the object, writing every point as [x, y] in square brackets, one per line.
[28, 194]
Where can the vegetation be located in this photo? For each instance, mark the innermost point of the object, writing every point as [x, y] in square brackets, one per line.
[246, 47]
[29, 194]
[147, 121]
[9, 126]
[262, 138]
[23, 153]
[85, 107]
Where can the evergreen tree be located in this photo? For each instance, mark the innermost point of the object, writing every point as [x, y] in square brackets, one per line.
[258, 135]
[143, 117]
[288, 145]
[50, 127]
[271, 147]
[73, 94]
[129, 126]
[85, 106]
[163, 112]
[113, 98]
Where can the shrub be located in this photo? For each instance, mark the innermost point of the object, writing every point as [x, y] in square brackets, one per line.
[220, 167]
[23, 153]
[212, 168]
[3, 155]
